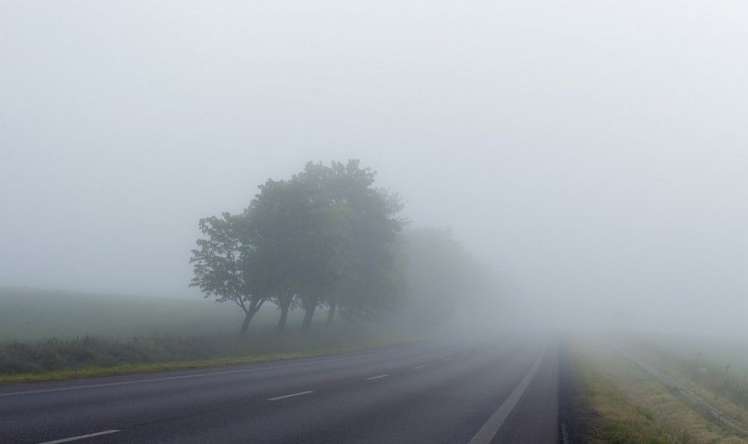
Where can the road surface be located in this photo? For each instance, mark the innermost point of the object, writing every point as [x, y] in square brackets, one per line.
[422, 393]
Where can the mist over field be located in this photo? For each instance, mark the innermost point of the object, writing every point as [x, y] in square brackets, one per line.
[591, 155]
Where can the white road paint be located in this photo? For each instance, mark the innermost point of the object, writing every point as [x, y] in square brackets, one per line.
[418, 367]
[486, 433]
[377, 377]
[292, 395]
[79, 437]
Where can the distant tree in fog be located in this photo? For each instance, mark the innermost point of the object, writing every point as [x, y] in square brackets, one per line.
[440, 274]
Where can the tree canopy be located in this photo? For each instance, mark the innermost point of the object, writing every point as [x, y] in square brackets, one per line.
[324, 237]
[328, 238]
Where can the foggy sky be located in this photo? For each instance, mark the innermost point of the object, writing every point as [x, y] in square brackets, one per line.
[594, 152]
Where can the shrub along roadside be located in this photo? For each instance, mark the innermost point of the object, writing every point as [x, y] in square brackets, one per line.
[89, 357]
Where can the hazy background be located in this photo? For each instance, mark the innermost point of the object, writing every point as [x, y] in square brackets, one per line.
[593, 152]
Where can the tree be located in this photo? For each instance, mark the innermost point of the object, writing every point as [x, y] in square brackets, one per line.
[368, 281]
[225, 266]
[324, 237]
[348, 241]
[440, 275]
[322, 241]
[276, 222]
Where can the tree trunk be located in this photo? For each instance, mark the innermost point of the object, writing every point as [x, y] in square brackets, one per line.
[331, 313]
[284, 316]
[245, 323]
[248, 315]
[308, 315]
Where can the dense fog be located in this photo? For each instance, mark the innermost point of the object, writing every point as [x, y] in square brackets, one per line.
[592, 154]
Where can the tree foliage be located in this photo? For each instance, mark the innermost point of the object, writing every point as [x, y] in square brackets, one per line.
[225, 266]
[328, 238]
[325, 237]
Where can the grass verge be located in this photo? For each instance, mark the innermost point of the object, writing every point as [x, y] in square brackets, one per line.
[609, 417]
[622, 404]
[89, 357]
[124, 369]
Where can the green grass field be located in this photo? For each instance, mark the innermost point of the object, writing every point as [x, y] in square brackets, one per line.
[52, 335]
[29, 314]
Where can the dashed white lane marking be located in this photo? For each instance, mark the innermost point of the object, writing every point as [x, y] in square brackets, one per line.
[487, 433]
[79, 437]
[418, 367]
[374, 378]
[292, 395]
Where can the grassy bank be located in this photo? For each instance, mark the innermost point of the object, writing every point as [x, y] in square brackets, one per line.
[717, 368]
[91, 357]
[607, 413]
[621, 403]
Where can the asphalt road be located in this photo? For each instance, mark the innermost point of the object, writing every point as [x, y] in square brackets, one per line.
[405, 394]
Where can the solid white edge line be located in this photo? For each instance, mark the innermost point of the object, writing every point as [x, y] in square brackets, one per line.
[278, 398]
[374, 378]
[487, 433]
[79, 437]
